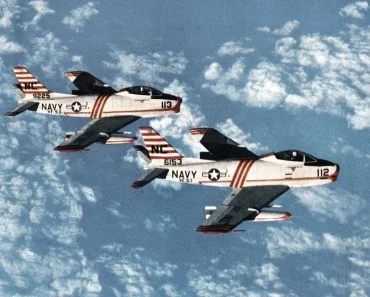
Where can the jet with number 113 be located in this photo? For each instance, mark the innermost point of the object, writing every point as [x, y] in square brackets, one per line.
[109, 110]
[256, 181]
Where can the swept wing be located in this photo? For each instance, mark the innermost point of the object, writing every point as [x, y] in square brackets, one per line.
[240, 205]
[97, 130]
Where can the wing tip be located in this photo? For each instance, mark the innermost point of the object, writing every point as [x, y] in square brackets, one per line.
[138, 184]
[70, 148]
[215, 229]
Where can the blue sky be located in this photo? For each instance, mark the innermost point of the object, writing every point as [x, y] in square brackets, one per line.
[271, 75]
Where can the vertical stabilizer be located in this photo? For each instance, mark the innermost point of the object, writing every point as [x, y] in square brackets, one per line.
[158, 148]
[29, 84]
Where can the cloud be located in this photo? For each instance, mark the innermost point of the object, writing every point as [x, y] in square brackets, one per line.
[327, 203]
[267, 274]
[50, 57]
[225, 82]
[80, 15]
[354, 10]
[231, 130]
[135, 273]
[322, 73]
[161, 225]
[291, 240]
[148, 68]
[285, 30]
[354, 283]
[341, 146]
[241, 278]
[213, 71]
[9, 47]
[42, 9]
[10, 10]
[40, 204]
[232, 48]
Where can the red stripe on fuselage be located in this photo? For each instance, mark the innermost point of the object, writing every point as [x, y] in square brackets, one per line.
[240, 172]
[236, 173]
[105, 99]
[244, 175]
[96, 103]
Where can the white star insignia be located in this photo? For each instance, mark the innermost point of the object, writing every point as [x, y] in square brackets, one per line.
[214, 174]
[76, 106]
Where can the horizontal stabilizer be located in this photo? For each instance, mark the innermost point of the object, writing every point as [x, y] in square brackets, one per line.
[21, 107]
[143, 152]
[149, 176]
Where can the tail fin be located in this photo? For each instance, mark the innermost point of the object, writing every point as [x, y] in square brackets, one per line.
[29, 84]
[158, 148]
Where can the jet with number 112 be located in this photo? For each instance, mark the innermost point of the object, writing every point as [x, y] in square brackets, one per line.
[256, 181]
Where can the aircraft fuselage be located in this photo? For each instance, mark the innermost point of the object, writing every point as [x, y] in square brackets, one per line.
[244, 173]
[99, 106]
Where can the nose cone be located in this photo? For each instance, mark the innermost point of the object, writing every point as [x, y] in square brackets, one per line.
[176, 108]
[334, 176]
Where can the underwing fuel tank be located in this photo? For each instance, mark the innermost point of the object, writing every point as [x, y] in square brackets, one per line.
[119, 139]
[268, 216]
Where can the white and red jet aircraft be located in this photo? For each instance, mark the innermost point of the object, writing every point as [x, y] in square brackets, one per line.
[110, 110]
[256, 181]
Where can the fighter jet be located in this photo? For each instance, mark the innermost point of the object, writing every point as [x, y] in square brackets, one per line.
[109, 110]
[256, 181]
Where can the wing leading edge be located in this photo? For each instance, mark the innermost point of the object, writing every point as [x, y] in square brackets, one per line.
[241, 205]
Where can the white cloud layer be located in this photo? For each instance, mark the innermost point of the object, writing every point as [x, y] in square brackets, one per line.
[287, 240]
[148, 68]
[9, 10]
[231, 48]
[42, 9]
[354, 10]
[9, 47]
[231, 130]
[134, 273]
[40, 205]
[327, 203]
[285, 30]
[50, 57]
[323, 73]
[79, 16]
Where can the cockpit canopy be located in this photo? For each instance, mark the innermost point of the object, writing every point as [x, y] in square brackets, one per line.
[295, 156]
[142, 90]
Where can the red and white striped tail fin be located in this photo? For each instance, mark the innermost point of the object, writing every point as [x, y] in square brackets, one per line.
[28, 83]
[158, 148]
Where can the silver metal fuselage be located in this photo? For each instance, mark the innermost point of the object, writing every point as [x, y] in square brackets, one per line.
[94, 106]
[244, 173]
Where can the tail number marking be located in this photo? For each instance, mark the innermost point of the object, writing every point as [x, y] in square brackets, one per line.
[166, 104]
[41, 96]
[323, 172]
[173, 162]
